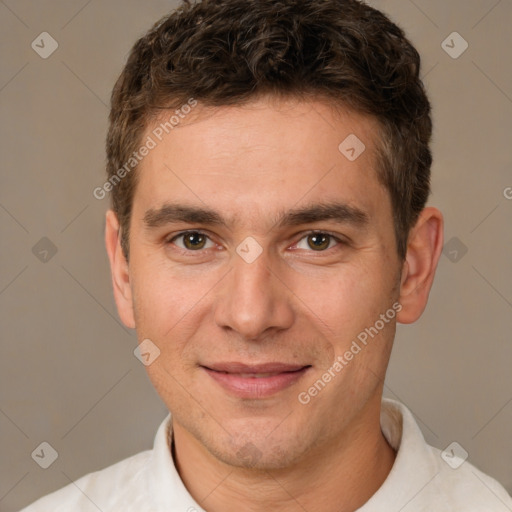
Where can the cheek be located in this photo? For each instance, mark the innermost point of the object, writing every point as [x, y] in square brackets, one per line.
[163, 298]
[171, 304]
[346, 299]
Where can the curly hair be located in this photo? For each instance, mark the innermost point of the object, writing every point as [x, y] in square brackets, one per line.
[228, 52]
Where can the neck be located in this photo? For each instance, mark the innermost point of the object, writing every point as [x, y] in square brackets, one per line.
[339, 476]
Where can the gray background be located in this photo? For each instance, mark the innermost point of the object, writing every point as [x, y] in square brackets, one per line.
[68, 373]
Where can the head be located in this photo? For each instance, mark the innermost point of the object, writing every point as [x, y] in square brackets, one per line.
[289, 141]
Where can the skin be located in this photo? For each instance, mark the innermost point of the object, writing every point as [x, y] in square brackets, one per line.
[293, 304]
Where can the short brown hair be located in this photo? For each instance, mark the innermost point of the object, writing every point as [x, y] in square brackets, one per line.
[227, 52]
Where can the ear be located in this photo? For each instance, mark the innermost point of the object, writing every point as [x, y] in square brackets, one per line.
[424, 248]
[119, 270]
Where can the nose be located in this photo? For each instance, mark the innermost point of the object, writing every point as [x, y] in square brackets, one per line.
[253, 301]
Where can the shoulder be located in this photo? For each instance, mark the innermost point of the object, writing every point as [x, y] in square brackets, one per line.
[458, 485]
[123, 481]
[425, 478]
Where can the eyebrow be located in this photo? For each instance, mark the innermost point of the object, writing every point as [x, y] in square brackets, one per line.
[338, 212]
[170, 213]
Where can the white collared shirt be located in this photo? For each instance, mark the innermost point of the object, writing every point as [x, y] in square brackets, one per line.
[420, 479]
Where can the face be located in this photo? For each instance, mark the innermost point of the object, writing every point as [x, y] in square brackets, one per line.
[259, 254]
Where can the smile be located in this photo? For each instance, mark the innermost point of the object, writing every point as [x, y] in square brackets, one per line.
[255, 381]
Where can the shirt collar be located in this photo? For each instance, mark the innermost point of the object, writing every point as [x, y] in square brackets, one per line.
[415, 465]
[167, 488]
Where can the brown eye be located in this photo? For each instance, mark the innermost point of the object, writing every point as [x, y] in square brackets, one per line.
[319, 241]
[192, 241]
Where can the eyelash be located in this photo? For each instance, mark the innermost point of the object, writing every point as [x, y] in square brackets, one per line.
[304, 235]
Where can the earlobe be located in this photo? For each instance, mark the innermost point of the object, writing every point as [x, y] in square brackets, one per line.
[119, 270]
[423, 251]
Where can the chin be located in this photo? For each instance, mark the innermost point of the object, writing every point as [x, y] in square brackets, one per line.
[250, 457]
[257, 450]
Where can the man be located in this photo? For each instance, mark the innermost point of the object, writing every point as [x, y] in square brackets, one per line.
[269, 166]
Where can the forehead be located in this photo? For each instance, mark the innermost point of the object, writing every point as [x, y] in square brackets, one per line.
[254, 160]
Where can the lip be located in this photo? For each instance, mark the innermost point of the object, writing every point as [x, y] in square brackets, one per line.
[255, 381]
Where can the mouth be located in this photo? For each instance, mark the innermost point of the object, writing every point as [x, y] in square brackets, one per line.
[255, 381]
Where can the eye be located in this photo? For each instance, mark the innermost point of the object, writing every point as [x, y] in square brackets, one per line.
[317, 241]
[192, 241]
